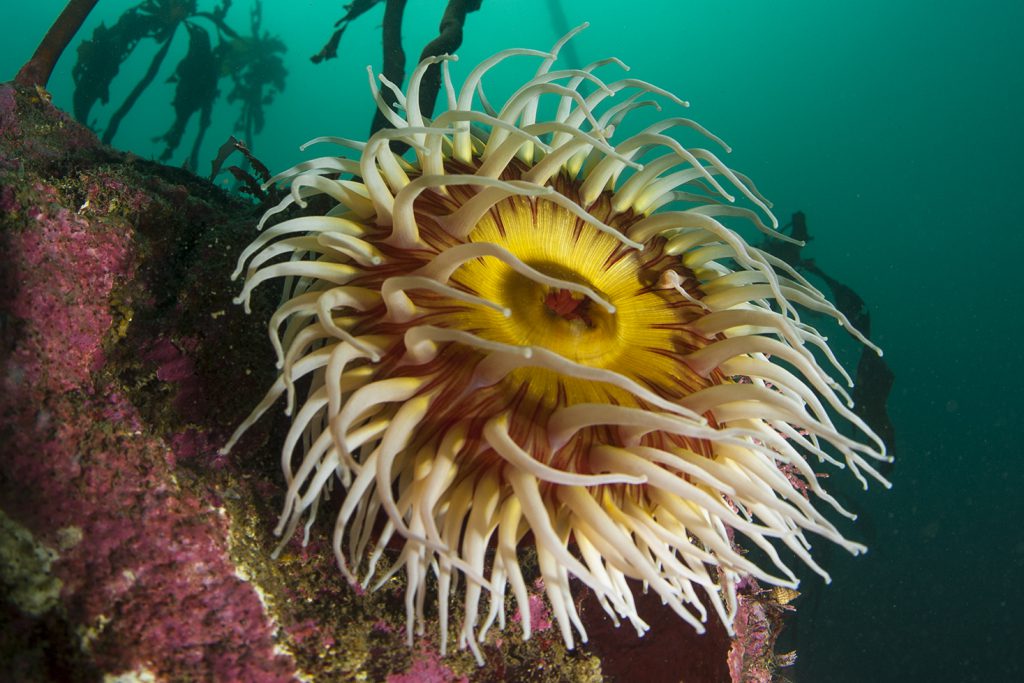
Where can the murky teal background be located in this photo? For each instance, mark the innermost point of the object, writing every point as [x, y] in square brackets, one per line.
[897, 128]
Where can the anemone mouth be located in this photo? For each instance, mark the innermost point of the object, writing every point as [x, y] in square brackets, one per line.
[527, 331]
[583, 295]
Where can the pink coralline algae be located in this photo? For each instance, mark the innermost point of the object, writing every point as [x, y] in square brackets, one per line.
[752, 639]
[172, 364]
[752, 657]
[195, 443]
[175, 366]
[427, 667]
[67, 269]
[147, 582]
[540, 616]
[150, 577]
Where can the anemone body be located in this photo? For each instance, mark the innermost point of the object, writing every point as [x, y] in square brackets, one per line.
[528, 332]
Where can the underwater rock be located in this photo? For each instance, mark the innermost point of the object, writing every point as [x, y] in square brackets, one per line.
[134, 546]
[97, 264]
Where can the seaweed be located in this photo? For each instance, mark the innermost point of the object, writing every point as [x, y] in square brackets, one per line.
[352, 11]
[448, 40]
[247, 182]
[100, 58]
[197, 75]
[37, 70]
[257, 69]
[215, 51]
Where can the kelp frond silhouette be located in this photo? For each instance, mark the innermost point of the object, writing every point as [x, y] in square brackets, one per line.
[254, 64]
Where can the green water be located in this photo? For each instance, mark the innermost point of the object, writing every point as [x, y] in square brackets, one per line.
[896, 127]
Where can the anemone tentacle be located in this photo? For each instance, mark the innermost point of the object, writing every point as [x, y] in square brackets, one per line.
[527, 329]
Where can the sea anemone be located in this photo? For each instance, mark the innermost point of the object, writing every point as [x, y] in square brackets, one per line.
[526, 333]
